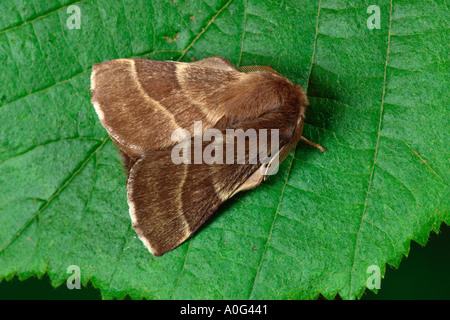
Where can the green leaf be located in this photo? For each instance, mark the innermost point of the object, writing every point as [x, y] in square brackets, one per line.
[379, 103]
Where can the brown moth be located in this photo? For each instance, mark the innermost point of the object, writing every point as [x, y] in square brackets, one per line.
[142, 102]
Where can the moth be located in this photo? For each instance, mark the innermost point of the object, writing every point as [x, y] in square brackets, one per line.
[141, 103]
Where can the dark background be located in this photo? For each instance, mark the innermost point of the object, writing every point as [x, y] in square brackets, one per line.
[425, 274]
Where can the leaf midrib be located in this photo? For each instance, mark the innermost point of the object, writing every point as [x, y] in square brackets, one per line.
[375, 151]
[292, 159]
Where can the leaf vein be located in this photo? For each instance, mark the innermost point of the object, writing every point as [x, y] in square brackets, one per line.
[57, 192]
[203, 30]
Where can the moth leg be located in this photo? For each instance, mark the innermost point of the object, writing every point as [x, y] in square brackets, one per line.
[312, 144]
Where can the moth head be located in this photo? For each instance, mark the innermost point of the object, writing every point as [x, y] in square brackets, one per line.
[297, 101]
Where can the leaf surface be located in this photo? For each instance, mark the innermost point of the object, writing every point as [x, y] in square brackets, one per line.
[379, 103]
